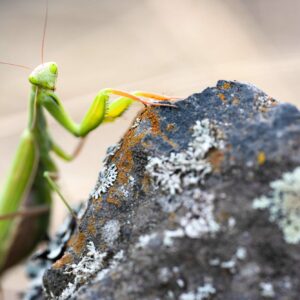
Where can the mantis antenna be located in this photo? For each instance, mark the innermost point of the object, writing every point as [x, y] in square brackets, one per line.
[44, 32]
[15, 65]
[42, 47]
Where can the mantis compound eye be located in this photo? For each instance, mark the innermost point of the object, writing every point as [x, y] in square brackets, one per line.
[53, 68]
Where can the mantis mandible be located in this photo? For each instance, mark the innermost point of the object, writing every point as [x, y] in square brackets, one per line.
[25, 199]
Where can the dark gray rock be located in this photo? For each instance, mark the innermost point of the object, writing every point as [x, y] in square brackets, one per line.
[198, 202]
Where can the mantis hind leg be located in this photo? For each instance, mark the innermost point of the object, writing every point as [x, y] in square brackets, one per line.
[51, 177]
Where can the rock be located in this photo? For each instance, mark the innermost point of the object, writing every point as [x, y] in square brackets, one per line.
[198, 202]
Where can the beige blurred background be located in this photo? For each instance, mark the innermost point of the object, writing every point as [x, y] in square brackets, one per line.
[175, 47]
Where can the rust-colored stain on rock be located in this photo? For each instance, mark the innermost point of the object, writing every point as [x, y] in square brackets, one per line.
[149, 114]
[222, 97]
[226, 86]
[66, 259]
[171, 127]
[216, 157]
[92, 226]
[112, 200]
[77, 242]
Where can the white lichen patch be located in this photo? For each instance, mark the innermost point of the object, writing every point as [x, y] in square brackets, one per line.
[231, 264]
[200, 221]
[111, 231]
[136, 123]
[267, 290]
[284, 205]
[124, 191]
[214, 262]
[202, 292]
[176, 172]
[117, 258]
[264, 102]
[241, 253]
[106, 179]
[169, 235]
[180, 283]
[144, 240]
[111, 151]
[166, 237]
[127, 189]
[231, 222]
[87, 267]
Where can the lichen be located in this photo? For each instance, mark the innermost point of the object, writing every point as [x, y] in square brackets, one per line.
[169, 235]
[176, 172]
[136, 123]
[115, 261]
[267, 290]
[87, 267]
[144, 240]
[241, 253]
[200, 220]
[111, 231]
[197, 222]
[284, 205]
[202, 292]
[111, 151]
[231, 264]
[106, 179]
[264, 102]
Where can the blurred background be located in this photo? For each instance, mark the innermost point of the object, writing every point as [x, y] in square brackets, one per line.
[172, 47]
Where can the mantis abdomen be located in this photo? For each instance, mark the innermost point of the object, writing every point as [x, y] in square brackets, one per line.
[21, 189]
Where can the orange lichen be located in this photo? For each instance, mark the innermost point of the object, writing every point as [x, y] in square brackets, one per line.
[226, 86]
[66, 259]
[261, 158]
[149, 114]
[222, 97]
[91, 226]
[146, 183]
[131, 139]
[123, 158]
[170, 127]
[113, 201]
[216, 157]
[77, 242]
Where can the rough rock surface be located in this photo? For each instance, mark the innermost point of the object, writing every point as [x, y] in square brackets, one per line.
[198, 202]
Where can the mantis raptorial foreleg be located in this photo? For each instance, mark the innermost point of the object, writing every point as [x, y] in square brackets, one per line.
[97, 111]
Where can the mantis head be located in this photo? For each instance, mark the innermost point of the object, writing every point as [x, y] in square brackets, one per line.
[44, 75]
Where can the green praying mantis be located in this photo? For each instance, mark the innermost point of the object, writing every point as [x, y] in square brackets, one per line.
[25, 199]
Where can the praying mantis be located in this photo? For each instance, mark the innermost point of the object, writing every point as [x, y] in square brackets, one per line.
[25, 198]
